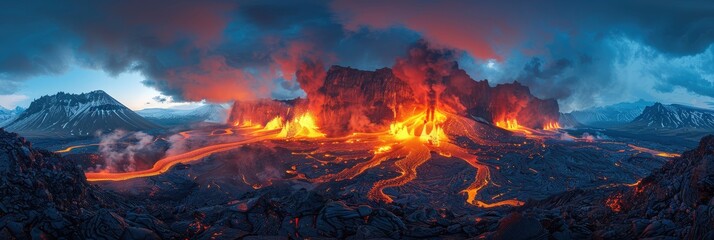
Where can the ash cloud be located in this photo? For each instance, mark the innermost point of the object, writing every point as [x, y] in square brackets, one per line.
[226, 50]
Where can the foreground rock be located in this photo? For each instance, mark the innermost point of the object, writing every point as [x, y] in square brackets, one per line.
[46, 196]
[674, 202]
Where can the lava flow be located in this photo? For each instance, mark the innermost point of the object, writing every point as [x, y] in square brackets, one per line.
[70, 148]
[512, 125]
[412, 142]
[294, 129]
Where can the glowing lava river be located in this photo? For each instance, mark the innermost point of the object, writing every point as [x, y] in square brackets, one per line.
[410, 143]
[402, 148]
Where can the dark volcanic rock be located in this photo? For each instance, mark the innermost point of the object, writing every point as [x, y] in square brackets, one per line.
[673, 202]
[46, 196]
[350, 100]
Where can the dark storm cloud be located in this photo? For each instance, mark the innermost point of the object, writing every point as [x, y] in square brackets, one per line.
[686, 79]
[224, 50]
[189, 50]
[572, 40]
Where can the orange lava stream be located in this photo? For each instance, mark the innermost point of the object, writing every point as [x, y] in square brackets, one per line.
[303, 127]
[165, 164]
[654, 152]
[69, 149]
[417, 155]
[412, 143]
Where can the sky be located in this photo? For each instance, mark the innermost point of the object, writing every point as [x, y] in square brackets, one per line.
[171, 53]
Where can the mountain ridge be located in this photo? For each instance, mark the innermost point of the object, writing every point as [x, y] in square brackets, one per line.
[65, 114]
[675, 116]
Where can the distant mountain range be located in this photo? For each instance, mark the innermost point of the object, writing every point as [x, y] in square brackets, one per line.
[7, 115]
[674, 116]
[65, 114]
[566, 120]
[673, 124]
[612, 114]
[214, 113]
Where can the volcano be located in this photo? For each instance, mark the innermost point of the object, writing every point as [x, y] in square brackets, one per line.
[83, 114]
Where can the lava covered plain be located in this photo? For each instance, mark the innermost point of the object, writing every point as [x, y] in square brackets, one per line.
[521, 167]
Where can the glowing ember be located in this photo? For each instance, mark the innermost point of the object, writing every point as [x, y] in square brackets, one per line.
[614, 202]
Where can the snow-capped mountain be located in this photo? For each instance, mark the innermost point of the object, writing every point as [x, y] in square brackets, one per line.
[660, 116]
[78, 115]
[7, 115]
[617, 113]
[214, 113]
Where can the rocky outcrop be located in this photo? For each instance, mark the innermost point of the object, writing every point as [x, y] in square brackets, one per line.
[351, 100]
[258, 111]
[45, 196]
[674, 202]
[355, 98]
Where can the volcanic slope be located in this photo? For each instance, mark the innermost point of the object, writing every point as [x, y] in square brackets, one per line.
[83, 114]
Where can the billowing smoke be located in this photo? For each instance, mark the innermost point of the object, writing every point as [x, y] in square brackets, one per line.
[121, 150]
[426, 69]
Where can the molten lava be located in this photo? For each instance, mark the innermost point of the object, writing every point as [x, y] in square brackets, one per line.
[550, 126]
[303, 126]
[411, 142]
[70, 148]
[511, 124]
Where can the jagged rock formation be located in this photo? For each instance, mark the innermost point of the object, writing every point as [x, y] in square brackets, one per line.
[260, 111]
[66, 114]
[674, 116]
[45, 196]
[349, 100]
[352, 100]
[674, 202]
